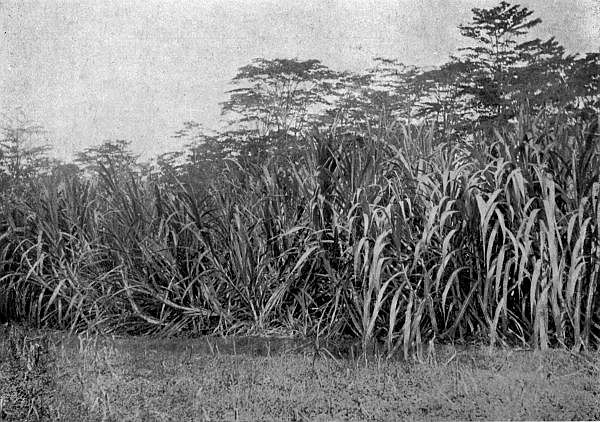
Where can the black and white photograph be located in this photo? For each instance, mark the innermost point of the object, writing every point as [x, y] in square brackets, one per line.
[281, 210]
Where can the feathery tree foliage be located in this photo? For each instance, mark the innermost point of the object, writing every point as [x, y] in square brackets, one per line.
[376, 227]
[22, 153]
[274, 97]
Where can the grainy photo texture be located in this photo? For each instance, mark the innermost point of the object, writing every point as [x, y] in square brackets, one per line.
[239, 210]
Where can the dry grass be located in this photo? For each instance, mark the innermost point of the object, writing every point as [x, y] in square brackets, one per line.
[26, 375]
[208, 379]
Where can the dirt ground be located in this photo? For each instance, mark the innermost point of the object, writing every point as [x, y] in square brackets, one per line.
[250, 379]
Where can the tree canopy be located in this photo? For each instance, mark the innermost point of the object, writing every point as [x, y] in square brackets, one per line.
[276, 96]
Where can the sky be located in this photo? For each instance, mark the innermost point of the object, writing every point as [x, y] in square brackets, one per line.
[88, 71]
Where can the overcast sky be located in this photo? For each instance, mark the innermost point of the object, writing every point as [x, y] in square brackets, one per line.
[136, 70]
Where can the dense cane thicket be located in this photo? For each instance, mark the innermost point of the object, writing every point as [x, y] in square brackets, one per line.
[452, 203]
[396, 237]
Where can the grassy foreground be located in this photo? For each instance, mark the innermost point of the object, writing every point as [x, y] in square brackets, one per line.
[58, 377]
